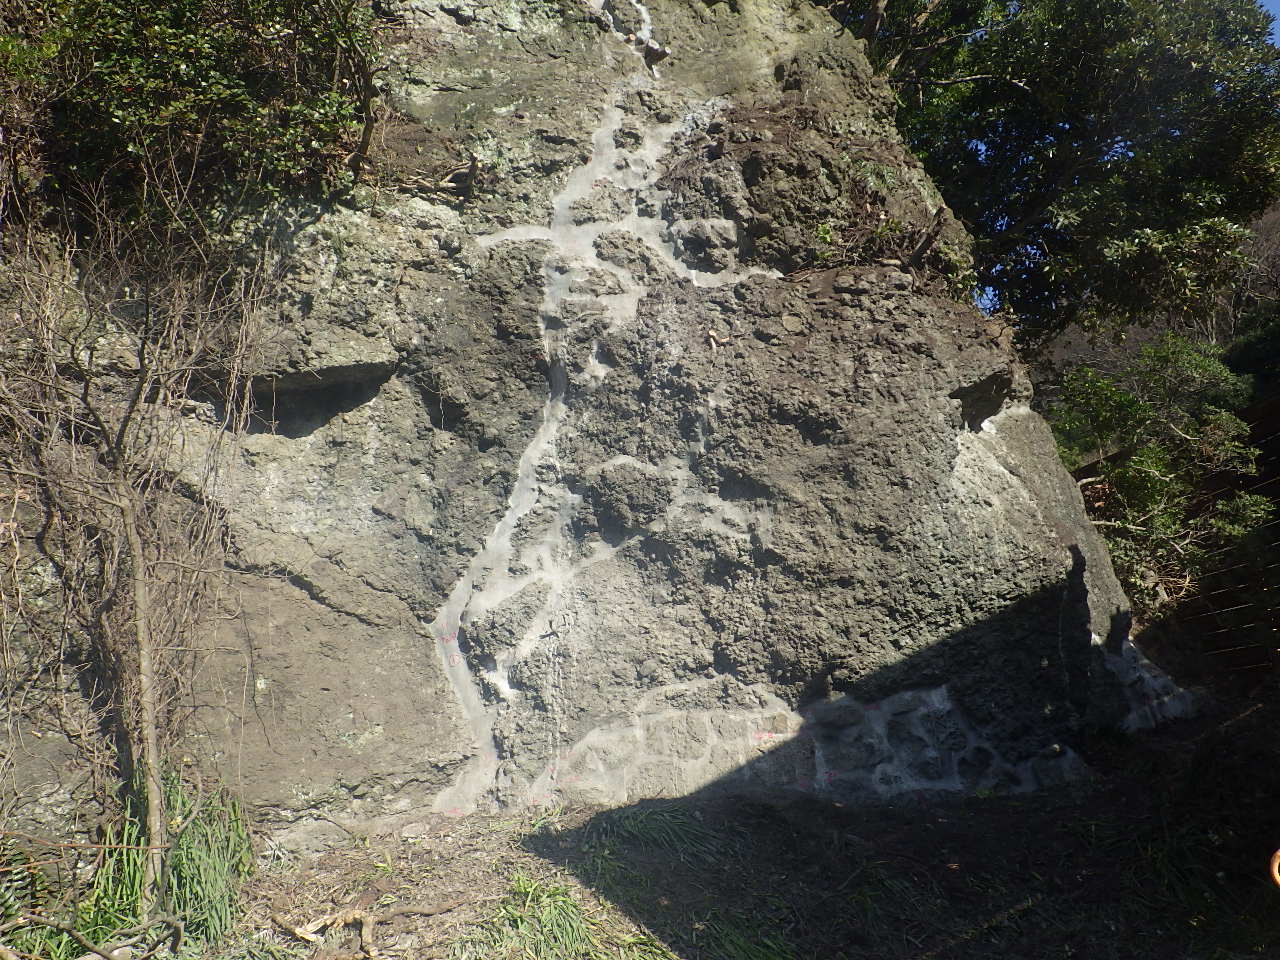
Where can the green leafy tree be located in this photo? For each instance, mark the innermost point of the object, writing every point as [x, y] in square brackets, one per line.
[1250, 319]
[1151, 439]
[1106, 153]
[181, 112]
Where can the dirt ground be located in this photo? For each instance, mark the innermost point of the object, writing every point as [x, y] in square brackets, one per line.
[1162, 855]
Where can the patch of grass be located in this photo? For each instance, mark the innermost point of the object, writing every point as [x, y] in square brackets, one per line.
[668, 827]
[645, 947]
[546, 818]
[729, 938]
[110, 904]
[538, 920]
[1165, 874]
[208, 861]
[209, 856]
[602, 868]
[265, 950]
[1196, 880]
[885, 904]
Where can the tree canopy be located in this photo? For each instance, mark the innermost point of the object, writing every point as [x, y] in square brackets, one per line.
[178, 111]
[1107, 154]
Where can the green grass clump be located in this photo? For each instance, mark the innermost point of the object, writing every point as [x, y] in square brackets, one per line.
[208, 862]
[728, 939]
[110, 904]
[538, 920]
[668, 827]
[210, 855]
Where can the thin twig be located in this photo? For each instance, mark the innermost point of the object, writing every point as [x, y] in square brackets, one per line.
[952, 81]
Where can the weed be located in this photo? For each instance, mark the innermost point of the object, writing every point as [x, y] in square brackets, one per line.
[547, 818]
[110, 904]
[827, 238]
[544, 921]
[729, 938]
[601, 867]
[265, 950]
[645, 947]
[884, 903]
[23, 885]
[663, 826]
[957, 266]
[208, 860]
[209, 856]
[877, 177]
[538, 921]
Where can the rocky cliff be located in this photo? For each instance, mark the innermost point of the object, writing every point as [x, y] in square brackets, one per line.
[628, 442]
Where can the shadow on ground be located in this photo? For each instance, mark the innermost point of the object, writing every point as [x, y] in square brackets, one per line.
[1159, 852]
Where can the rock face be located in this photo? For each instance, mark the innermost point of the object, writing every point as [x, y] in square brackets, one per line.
[588, 479]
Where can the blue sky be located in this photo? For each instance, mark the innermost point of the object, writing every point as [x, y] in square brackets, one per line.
[1274, 7]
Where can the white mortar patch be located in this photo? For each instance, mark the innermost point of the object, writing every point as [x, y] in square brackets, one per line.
[571, 265]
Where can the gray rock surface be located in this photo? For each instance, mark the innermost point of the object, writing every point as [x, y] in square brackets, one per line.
[569, 493]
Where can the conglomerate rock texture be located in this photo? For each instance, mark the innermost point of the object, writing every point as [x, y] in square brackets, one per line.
[584, 476]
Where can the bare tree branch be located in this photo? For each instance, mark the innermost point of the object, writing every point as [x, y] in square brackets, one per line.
[871, 23]
[972, 78]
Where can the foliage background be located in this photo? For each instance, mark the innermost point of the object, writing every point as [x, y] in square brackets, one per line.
[177, 115]
[1107, 154]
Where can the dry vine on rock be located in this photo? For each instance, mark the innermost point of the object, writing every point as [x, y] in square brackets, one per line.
[123, 383]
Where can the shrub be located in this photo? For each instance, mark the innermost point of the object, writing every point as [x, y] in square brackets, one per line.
[1158, 443]
[180, 109]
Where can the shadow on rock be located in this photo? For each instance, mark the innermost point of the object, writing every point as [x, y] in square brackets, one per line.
[904, 826]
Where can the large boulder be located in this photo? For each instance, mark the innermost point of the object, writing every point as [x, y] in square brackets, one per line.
[635, 444]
